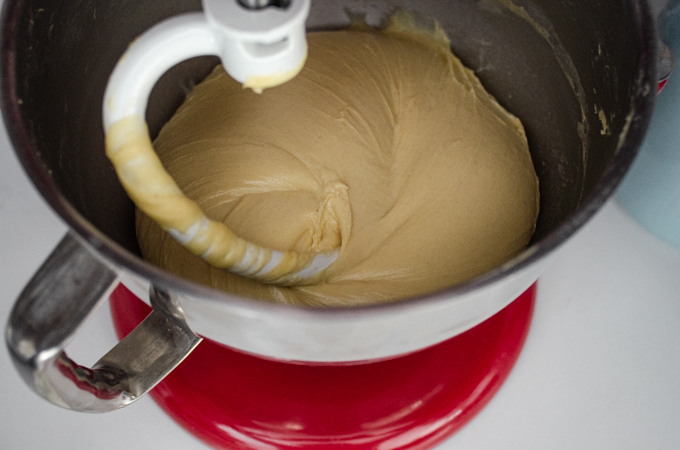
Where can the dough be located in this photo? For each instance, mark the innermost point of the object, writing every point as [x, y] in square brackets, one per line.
[384, 145]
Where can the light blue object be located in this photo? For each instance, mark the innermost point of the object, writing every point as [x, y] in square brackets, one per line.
[651, 189]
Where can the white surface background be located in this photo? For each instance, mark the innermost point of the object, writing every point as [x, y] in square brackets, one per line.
[600, 369]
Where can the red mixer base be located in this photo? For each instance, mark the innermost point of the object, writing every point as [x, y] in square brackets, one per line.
[231, 400]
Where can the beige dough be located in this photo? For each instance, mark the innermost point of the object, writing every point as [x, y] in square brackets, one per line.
[384, 144]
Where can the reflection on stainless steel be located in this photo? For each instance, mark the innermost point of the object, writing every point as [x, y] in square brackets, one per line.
[666, 62]
[259, 4]
[67, 288]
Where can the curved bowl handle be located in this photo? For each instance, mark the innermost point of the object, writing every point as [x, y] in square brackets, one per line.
[67, 288]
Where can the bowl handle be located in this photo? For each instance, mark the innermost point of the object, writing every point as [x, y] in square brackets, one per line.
[63, 293]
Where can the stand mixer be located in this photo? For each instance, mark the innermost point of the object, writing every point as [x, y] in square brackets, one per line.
[573, 188]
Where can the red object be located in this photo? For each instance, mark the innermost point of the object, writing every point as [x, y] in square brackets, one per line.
[231, 400]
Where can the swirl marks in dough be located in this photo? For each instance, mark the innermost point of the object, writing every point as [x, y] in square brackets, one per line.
[384, 146]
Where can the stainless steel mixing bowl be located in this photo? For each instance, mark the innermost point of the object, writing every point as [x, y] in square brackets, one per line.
[579, 74]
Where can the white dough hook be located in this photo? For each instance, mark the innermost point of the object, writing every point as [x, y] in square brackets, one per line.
[259, 47]
[261, 44]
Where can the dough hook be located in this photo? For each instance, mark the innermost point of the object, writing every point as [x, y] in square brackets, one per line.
[261, 44]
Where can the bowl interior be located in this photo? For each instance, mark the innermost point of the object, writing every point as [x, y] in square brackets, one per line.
[573, 71]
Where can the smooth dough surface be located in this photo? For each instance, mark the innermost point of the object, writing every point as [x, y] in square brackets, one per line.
[384, 144]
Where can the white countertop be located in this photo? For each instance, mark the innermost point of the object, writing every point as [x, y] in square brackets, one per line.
[600, 369]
